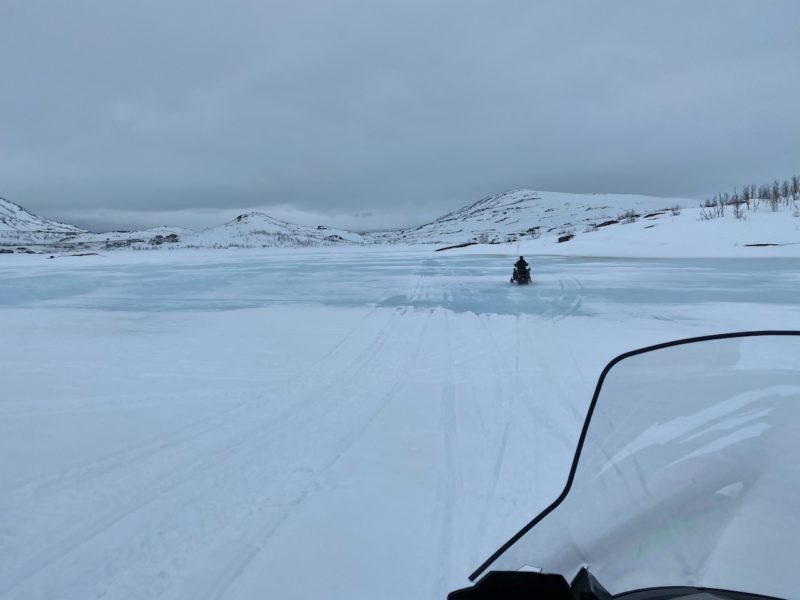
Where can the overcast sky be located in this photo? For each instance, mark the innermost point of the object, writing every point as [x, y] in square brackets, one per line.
[366, 113]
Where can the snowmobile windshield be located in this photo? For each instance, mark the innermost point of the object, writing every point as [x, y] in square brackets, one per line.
[688, 473]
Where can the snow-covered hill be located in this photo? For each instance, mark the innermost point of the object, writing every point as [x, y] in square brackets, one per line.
[20, 228]
[133, 239]
[14, 218]
[258, 230]
[593, 224]
[527, 214]
[682, 233]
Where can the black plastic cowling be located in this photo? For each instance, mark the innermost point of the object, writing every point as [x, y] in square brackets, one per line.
[516, 585]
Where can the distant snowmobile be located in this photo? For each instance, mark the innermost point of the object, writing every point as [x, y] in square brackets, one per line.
[522, 272]
[684, 484]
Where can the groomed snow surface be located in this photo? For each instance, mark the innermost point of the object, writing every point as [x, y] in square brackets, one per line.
[342, 423]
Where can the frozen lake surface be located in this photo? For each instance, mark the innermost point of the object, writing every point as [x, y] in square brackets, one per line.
[467, 283]
[363, 423]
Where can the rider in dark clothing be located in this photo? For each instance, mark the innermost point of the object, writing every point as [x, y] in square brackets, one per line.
[520, 269]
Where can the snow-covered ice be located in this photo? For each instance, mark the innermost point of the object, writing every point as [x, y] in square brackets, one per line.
[362, 422]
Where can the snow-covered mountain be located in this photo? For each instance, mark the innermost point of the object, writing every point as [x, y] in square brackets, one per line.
[20, 228]
[527, 214]
[257, 230]
[537, 220]
[14, 218]
[133, 239]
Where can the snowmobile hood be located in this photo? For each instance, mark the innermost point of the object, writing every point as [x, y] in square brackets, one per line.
[687, 473]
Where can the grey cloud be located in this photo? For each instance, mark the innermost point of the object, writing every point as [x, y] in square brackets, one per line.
[398, 108]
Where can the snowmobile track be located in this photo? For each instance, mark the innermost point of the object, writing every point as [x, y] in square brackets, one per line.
[55, 482]
[448, 485]
[254, 544]
[182, 472]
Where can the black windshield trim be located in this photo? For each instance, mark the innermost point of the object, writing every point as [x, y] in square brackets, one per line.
[735, 595]
[584, 431]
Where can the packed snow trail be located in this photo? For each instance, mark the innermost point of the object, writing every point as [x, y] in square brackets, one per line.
[110, 496]
[214, 426]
